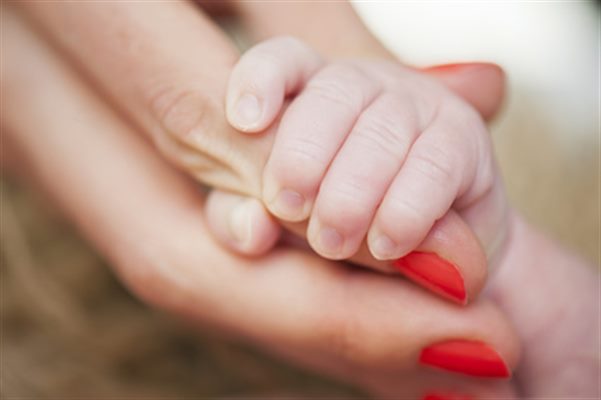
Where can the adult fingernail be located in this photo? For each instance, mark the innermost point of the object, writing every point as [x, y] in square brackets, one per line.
[240, 223]
[446, 396]
[247, 111]
[455, 67]
[467, 357]
[434, 273]
[288, 204]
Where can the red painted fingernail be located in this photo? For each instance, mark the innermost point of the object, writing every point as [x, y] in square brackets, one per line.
[446, 396]
[467, 357]
[435, 274]
[454, 67]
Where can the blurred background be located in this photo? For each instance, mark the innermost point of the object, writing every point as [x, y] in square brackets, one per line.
[69, 330]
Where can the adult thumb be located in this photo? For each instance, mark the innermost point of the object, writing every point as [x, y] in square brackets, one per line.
[241, 223]
[480, 84]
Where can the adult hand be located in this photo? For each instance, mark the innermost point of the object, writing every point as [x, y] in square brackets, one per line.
[376, 331]
[165, 65]
[366, 328]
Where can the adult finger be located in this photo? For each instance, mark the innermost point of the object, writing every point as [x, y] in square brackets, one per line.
[324, 314]
[166, 65]
[482, 85]
[241, 223]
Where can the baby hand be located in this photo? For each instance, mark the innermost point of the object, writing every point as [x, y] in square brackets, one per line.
[365, 148]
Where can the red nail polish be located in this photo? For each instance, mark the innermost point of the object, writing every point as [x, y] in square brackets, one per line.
[454, 67]
[446, 396]
[435, 274]
[467, 357]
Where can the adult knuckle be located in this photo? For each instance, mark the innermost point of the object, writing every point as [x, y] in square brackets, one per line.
[189, 159]
[184, 113]
[151, 272]
[342, 335]
[187, 132]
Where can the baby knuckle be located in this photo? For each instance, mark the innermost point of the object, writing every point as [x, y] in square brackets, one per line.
[410, 213]
[298, 168]
[350, 189]
[435, 165]
[303, 152]
[380, 136]
[401, 219]
[337, 86]
[265, 62]
[346, 72]
[342, 210]
[472, 119]
[334, 94]
[464, 119]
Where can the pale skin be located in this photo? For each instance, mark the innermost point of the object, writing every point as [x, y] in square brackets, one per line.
[379, 349]
[366, 147]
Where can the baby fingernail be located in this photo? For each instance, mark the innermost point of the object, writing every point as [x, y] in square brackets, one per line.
[330, 241]
[434, 273]
[468, 357]
[288, 204]
[247, 111]
[240, 223]
[383, 248]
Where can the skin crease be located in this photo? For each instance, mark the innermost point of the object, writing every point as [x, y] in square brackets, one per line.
[557, 265]
[320, 144]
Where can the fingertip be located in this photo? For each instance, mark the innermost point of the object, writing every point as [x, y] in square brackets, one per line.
[241, 223]
[245, 113]
[326, 241]
[384, 245]
[263, 77]
[452, 239]
[287, 204]
[255, 94]
[261, 231]
[481, 84]
[381, 246]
